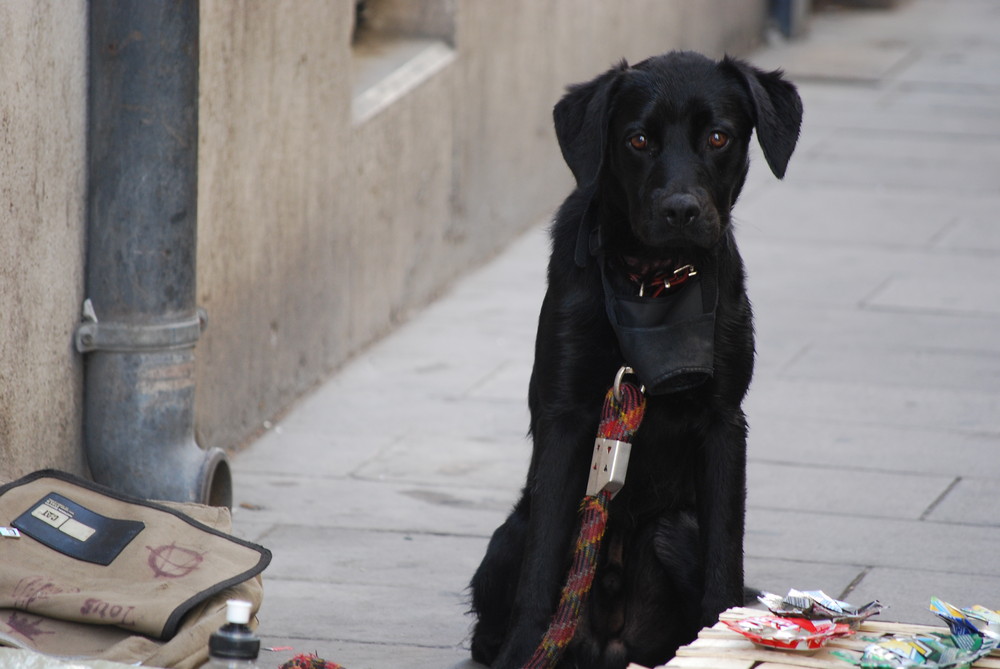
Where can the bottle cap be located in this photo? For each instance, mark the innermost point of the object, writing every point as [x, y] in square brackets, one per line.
[238, 611]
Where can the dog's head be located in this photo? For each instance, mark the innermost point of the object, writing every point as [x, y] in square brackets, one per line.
[661, 147]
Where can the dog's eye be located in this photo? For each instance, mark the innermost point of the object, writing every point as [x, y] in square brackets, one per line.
[718, 140]
[638, 142]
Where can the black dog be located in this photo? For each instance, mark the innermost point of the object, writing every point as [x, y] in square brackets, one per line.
[660, 153]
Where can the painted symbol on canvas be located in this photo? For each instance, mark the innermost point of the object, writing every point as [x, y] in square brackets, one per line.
[25, 626]
[173, 561]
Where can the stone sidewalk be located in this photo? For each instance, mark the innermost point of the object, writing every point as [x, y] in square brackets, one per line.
[875, 410]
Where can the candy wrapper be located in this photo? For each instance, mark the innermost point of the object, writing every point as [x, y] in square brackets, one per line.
[989, 619]
[926, 651]
[788, 633]
[817, 605]
[935, 650]
[975, 620]
[957, 621]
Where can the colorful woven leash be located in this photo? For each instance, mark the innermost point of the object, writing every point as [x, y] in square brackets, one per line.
[624, 407]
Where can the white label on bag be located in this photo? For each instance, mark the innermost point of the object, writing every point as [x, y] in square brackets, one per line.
[77, 530]
[47, 514]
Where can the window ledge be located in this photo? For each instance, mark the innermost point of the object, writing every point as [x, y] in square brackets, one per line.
[387, 68]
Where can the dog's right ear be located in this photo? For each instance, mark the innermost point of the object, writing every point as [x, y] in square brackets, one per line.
[581, 121]
[777, 112]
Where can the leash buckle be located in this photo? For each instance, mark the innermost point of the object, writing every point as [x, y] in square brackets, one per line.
[608, 466]
[624, 371]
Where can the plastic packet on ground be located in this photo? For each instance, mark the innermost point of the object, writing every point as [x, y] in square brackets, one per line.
[817, 605]
[927, 651]
[788, 633]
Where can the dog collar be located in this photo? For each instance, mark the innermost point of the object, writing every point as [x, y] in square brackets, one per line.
[653, 282]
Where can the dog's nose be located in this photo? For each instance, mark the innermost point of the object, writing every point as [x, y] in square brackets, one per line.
[681, 209]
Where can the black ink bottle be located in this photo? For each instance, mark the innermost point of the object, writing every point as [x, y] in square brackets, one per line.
[234, 646]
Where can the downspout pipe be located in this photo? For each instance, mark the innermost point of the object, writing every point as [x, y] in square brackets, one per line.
[140, 320]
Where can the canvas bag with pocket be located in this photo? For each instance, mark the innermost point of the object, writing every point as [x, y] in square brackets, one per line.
[99, 574]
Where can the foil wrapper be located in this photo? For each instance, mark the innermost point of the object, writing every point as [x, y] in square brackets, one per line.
[987, 620]
[934, 650]
[788, 633]
[817, 605]
[958, 622]
[926, 651]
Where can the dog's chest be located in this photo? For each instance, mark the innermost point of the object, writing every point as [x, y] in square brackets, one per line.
[661, 473]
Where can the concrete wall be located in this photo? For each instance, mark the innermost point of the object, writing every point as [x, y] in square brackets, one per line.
[346, 177]
[42, 160]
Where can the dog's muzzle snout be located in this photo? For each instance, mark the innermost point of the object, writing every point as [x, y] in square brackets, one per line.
[681, 209]
[681, 217]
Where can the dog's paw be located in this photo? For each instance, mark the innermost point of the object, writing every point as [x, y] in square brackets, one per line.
[484, 650]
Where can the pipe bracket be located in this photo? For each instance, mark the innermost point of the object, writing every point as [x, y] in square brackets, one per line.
[92, 335]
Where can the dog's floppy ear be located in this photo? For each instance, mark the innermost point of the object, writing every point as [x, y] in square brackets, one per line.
[777, 112]
[581, 119]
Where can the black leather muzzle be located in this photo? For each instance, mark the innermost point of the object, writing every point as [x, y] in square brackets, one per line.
[669, 340]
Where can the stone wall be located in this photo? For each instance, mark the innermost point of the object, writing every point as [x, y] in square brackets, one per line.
[43, 71]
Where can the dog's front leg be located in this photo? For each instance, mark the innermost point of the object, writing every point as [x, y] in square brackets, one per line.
[557, 483]
[721, 515]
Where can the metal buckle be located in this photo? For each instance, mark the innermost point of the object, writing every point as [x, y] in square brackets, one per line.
[622, 371]
[608, 466]
[679, 276]
[687, 270]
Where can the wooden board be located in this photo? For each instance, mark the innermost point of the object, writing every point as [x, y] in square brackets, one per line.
[718, 647]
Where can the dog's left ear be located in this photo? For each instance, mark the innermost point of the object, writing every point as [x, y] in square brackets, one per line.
[777, 112]
[581, 119]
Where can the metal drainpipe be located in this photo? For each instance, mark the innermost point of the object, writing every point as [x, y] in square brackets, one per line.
[140, 321]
